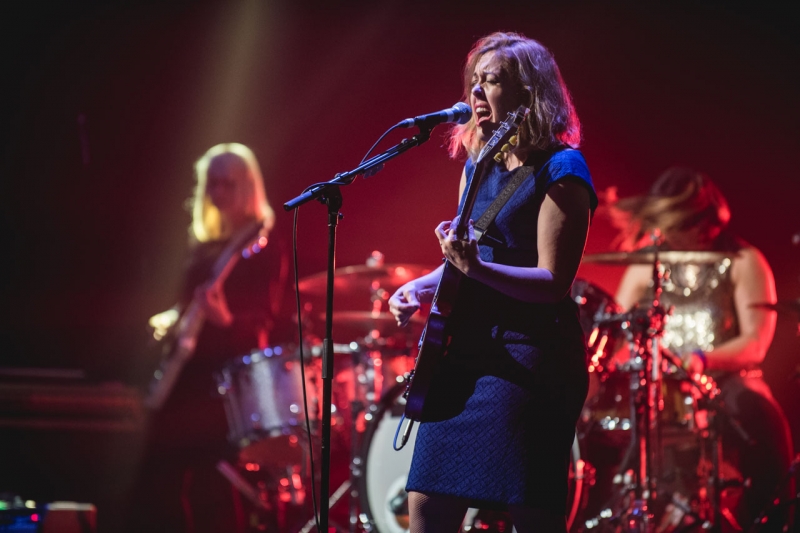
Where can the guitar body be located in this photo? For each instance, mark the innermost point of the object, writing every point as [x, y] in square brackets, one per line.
[433, 343]
[180, 350]
[435, 338]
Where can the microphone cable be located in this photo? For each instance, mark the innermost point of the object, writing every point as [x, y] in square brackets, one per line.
[378, 141]
[303, 367]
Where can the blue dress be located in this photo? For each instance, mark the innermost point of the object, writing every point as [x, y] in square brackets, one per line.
[500, 418]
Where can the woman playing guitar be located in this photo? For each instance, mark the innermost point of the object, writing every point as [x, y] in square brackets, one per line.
[499, 416]
[228, 305]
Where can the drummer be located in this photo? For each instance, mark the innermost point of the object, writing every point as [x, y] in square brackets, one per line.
[714, 328]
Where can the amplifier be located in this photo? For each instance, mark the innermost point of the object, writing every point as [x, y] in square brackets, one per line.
[48, 399]
[56, 517]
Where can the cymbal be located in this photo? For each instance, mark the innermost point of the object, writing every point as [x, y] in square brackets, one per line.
[782, 306]
[362, 323]
[666, 256]
[362, 278]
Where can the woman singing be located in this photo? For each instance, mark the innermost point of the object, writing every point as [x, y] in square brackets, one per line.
[500, 419]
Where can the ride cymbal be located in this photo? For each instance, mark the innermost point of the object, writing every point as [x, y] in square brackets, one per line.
[365, 321]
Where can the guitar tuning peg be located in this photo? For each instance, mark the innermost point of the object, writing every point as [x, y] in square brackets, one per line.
[513, 140]
[506, 148]
[498, 157]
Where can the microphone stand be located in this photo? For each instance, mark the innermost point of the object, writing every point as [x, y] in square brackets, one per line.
[329, 194]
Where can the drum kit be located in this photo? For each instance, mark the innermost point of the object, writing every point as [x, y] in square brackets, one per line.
[266, 392]
[647, 455]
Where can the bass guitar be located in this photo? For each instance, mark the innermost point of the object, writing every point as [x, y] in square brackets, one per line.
[435, 337]
[182, 336]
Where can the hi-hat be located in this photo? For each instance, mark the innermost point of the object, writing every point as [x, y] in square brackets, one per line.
[666, 256]
[362, 278]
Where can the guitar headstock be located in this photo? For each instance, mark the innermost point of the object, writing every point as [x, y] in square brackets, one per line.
[501, 142]
[504, 137]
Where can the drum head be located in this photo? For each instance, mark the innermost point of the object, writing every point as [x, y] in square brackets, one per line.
[383, 494]
[263, 395]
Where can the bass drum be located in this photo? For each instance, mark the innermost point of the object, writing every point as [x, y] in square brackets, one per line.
[383, 496]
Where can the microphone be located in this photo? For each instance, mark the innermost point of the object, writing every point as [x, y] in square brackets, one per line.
[459, 113]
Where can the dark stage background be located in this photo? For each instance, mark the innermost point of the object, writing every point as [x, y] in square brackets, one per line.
[106, 105]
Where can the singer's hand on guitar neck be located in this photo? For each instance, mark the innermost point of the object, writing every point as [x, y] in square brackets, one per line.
[463, 254]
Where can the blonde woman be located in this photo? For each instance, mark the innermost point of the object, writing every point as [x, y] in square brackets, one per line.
[238, 297]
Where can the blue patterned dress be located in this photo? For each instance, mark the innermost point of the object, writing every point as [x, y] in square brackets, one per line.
[500, 420]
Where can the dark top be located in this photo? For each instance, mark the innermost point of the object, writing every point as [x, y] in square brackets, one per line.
[512, 240]
[193, 414]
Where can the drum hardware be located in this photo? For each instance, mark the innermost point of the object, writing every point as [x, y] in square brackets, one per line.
[642, 463]
[253, 494]
[778, 503]
[651, 370]
[335, 497]
[596, 309]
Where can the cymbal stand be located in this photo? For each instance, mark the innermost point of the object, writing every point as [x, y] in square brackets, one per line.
[641, 467]
[709, 400]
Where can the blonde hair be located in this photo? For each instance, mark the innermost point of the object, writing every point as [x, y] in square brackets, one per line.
[552, 122]
[680, 199]
[207, 224]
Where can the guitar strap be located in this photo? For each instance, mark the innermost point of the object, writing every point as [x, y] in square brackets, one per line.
[237, 242]
[513, 184]
[489, 215]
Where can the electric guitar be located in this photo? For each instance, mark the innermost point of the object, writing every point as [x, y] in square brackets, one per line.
[182, 336]
[435, 337]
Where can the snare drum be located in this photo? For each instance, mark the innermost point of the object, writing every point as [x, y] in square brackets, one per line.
[263, 396]
[384, 473]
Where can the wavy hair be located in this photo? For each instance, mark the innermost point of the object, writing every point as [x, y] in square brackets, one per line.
[552, 122]
[207, 224]
[679, 200]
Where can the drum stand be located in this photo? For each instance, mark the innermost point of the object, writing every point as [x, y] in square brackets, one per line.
[642, 465]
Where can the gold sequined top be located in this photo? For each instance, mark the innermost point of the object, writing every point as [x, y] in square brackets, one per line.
[704, 315]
